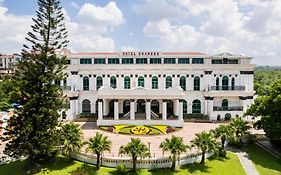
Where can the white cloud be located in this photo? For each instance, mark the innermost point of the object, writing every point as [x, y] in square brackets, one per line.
[83, 36]
[13, 30]
[128, 49]
[108, 15]
[223, 26]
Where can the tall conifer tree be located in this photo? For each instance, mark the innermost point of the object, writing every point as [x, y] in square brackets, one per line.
[33, 129]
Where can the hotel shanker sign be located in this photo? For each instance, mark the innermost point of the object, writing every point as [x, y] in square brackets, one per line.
[140, 53]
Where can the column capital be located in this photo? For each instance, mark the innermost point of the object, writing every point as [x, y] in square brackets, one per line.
[209, 98]
[132, 100]
[147, 100]
[99, 100]
[115, 100]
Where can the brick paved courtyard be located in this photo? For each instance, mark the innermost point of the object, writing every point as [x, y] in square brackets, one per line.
[187, 132]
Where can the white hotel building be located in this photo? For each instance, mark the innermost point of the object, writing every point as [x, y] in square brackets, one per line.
[154, 88]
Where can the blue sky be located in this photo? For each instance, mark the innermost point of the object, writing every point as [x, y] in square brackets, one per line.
[249, 27]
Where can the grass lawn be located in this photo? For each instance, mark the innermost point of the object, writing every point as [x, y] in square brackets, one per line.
[265, 163]
[61, 167]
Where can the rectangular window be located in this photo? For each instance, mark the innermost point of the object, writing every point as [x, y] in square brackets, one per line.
[169, 61]
[99, 61]
[197, 61]
[183, 61]
[141, 61]
[216, 61]
[232, 62]
[127, 61]
[85, 61]
[155, 60]
[113, 61]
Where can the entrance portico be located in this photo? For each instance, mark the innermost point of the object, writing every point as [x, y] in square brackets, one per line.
[142, 106]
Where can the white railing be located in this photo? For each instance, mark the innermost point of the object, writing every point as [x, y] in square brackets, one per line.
[163, 162]
[127, 115]
[154, 115]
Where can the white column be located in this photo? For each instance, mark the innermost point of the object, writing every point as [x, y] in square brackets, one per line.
[189, 107]
[106, 106]
[132, 110]
[206, 107]
[73, 107]
[77, 107]
[180, 111]
[116, 113]
[93, 106]
[147, 109]
[164, 110]
[100, 111]
[176, 107]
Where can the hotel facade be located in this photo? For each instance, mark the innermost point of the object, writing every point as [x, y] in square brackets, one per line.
[157, 88]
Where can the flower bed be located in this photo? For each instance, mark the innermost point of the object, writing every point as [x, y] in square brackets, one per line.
[139, 130]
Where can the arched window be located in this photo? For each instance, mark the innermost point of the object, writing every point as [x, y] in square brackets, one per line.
[127, 83]
[232, 83]
[86, 106]
[183, 83]
[196, 84]
[184, 110]
[169, 82]
[225, 83]
[224, 104]
[141, 81]
[99, 82]
[154, 82]
[113, 82]
[218, 83]
[196, 107]
[85, 83]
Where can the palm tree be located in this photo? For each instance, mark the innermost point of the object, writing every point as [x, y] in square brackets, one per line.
[71, 138]
[176, 146]
[98, 145]
[240, 128]
[205, 141]
[135, 149]
[223, 132]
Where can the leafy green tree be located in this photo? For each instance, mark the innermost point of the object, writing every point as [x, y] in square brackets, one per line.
[240, 128]
[135, 149]
[71, 137]
[268, 107]
[6, 87]
[205, 141]
[223, 132]
[33, 129]
[175, 146]
[98, 145]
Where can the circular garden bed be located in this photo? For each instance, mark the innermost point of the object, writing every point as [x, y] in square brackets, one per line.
[140, 129]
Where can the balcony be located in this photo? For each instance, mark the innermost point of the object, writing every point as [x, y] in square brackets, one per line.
[229, 108]
[227, 88]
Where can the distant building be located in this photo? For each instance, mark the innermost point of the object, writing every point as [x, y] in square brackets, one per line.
[7, 63]
[157, 87]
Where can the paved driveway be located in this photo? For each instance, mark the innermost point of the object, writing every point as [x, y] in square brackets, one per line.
[187, 132]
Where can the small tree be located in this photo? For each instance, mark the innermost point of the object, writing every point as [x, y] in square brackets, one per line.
[175, 146]
[71, 137]
[240, 128]
[135, 149]
[205, 142]
[98, 145]
[223, 132]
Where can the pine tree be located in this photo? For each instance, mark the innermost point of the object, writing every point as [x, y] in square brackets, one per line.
[33, 129]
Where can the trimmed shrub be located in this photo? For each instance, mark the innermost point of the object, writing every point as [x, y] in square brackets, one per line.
[121, 168]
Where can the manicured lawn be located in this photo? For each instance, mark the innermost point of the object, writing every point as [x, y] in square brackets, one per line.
[61, 167]
[265, 163]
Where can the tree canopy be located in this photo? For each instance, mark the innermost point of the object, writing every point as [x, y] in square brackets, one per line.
[269, 108]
